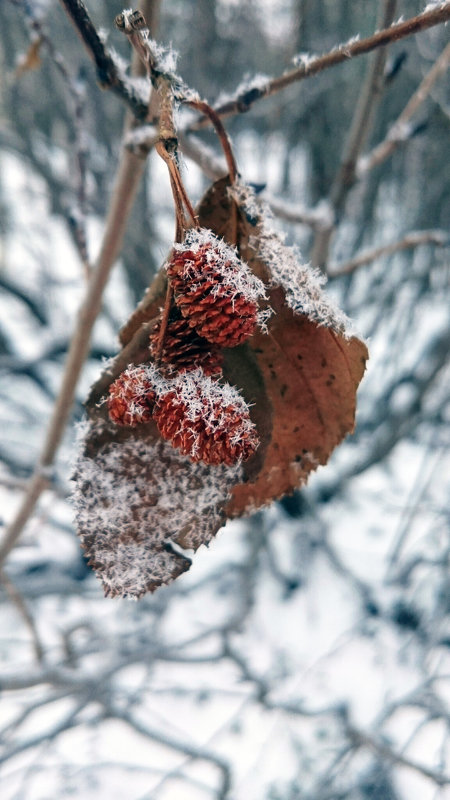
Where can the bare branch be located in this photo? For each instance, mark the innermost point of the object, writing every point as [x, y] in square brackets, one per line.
[75, 96]
[23, 610]
[129, 173]
[109, 76]
[400, 131]
[70, 721]
[338, 55]
[362, 739]
[360, 128]
[107, 71]
[184, 747]
[411, 240]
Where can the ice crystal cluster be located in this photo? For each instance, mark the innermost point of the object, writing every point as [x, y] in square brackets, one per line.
[303, 286]
[135, 501]
[216, 292]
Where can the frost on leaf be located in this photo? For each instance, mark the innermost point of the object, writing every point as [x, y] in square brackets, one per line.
[136, 499]
[283, 266]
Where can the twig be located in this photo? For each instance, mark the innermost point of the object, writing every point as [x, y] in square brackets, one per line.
[360, 128]
[76, 93]
[107, 71]
[339, 54]
[133, 24]
[22, 608]
[413, 239]
[362, 739]
[183, 747]
[400, 130]
[68, 722]
[109, 76]
[205, 108]
[425, 474]
[129, 172]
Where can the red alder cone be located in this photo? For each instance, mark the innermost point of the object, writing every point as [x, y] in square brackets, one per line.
[131, 397]
[183, 349]
[206, 421]
[215, 291]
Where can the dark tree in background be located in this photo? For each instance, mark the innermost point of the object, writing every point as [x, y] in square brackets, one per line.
[305, 656]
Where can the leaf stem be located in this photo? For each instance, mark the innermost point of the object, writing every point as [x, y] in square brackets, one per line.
[205, 108]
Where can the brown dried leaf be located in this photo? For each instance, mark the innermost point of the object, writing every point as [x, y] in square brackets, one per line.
[310, 373]
[137, 497]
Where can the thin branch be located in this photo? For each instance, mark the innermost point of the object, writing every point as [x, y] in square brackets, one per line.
[107, 72]
[129, 173]
[411, 240]
[23, 610]
[183, 747]
[70, 721]
[205, 108]
[339, 54]
[76, 95]
[400, 130]
[36, 307]
[109, 75]
[362, 739]
[361, 125]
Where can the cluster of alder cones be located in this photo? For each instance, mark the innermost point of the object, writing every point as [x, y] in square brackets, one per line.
[216, 299]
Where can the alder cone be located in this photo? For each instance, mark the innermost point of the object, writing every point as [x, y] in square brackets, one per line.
[214, 434]
[207, 295]
[131, 397]
[184, 350]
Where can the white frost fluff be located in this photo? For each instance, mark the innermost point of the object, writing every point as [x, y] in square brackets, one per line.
[302, 284]
[226, 262]
[238, 277]
[132, 500]
[203, 397]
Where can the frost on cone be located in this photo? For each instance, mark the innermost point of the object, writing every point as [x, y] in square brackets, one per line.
[205, 420]
[215, 291]
[131, 397]
[184, 349]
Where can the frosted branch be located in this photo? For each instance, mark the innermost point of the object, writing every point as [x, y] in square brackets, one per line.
[361, 125]
[401, 130]
[343, 52]
[108, 72]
